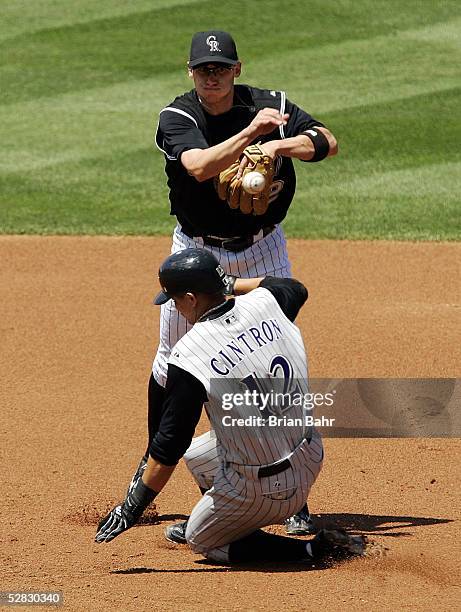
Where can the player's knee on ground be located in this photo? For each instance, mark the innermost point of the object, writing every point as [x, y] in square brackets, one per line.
[256, 546]
[220, 555]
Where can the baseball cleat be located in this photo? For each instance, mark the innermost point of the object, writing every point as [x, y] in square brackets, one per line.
[300, 524]
[337, 544]
[176, 533]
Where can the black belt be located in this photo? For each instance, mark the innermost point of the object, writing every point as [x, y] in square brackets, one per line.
[234, 244]
[282, 465]
[274, 468]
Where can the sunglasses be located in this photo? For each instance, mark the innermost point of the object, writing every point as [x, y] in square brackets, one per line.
[219, 71]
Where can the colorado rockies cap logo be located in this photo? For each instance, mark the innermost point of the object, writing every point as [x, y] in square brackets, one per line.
[213, 43]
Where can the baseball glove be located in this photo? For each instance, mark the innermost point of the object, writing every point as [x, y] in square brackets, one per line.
[230, 188]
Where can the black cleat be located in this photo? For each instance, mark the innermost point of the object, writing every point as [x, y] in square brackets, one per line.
[176, 533]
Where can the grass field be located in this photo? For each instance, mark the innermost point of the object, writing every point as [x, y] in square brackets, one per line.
[82, 84]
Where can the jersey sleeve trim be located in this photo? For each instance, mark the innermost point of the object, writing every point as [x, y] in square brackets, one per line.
[283, 99]
[180, 112]
[157, 138]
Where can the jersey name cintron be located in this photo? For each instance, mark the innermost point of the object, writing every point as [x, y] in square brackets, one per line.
[244, 344]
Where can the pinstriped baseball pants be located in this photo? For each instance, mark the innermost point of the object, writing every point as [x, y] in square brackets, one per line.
[237, 501]
[266, 257]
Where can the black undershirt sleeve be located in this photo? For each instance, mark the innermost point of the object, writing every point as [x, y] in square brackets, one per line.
[184, 398]
[289, 293]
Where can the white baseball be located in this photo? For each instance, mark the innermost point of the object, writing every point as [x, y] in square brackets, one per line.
[253, 182]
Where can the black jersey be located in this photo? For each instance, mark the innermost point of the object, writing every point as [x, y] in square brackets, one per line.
[185, 125]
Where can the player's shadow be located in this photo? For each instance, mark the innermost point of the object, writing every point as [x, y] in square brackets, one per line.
[207, 566]
[156, 519]
[382, 525]
[210, 567]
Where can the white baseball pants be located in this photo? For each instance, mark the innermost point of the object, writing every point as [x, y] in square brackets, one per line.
[237, 502]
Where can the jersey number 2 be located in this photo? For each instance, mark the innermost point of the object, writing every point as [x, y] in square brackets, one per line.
[278, 365]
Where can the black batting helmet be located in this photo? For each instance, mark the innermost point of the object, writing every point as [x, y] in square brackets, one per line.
[194, 270]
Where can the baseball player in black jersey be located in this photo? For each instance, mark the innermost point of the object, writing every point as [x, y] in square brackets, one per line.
[256, 477]
[201, 133]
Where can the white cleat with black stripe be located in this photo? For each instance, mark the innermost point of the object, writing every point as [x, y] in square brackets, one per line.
[300, 524]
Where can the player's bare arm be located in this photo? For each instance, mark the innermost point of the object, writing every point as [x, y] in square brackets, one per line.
[245, 285]
[156, 475]
[301, 146]
[204, 164]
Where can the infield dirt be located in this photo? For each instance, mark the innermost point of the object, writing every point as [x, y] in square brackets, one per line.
[78, 333]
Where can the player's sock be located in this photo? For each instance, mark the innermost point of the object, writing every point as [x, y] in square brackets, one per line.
[304, 510]
[262, 546]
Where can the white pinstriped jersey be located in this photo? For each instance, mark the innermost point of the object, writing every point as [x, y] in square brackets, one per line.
[266, 257]
[252, 347]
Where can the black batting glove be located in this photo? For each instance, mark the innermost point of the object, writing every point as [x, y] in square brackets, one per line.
[115, 523]
[137, 475]
[125, 515]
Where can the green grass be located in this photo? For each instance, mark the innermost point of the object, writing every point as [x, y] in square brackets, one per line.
[81, 86]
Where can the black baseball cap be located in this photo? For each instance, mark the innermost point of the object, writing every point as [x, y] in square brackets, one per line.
[213, 46]
[195, 270]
